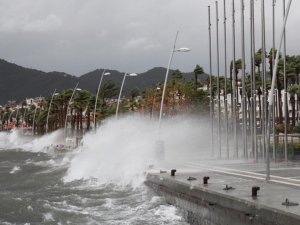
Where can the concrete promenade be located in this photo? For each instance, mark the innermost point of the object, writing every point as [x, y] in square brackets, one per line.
[227, 197]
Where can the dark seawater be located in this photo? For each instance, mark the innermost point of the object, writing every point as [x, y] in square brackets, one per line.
[100, 182]
[32, 191]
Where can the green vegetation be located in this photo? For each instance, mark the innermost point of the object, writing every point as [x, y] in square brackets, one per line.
[182, 96]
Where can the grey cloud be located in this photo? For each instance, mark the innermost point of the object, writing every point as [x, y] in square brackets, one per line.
[76, 36]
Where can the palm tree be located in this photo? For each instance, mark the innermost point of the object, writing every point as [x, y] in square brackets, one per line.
[81, 101]
[238, 66]
[107, 91]
[294, 62]
[270, 57]
[41, 119]
[5, 117]
[152, 98]
[60, 104]
[30, 115]
[89, 109]
[134, 93]
[257, 60]
[175, 84]
[198, 70]
[293, 89]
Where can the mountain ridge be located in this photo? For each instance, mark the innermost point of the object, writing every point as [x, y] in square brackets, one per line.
[18, 82]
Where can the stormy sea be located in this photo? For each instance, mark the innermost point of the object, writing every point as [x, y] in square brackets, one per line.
[99, 182]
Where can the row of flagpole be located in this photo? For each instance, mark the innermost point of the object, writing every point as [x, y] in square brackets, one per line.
[248, 127]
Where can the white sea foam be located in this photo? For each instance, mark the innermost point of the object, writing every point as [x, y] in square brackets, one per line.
[15, 169]
[167, 213]
[109, 203]
[45, 143]
[118, 153]
[16, 139]
[11, 139]
[48, 217]
[156, 200]
[122, 150]
[6, 223]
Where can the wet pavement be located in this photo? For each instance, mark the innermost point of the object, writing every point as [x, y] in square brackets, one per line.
[231, 185]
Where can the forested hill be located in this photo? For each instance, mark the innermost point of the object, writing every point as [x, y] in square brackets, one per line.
[17, 82]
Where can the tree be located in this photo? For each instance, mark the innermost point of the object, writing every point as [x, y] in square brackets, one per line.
[294, 89]
[60, 105]
[176, 75]
[134, 93]
[41, 119]
[81, 102]
[107, 91]
[258, 60]
[197, 71]
[238, 66]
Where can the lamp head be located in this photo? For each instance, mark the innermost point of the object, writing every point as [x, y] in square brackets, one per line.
[132, 74]
[108, 73]
[182, 50]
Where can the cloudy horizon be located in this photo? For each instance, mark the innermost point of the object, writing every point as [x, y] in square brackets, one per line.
[78, 36]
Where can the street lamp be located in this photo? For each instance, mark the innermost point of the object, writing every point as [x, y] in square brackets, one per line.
[10, 114]
[166, 77]
[17, 118]
[119, 98]
[33, 122]
[270, 100]
[54, 94]
[154, 99]
[69, 103]
[96, 101]
[159, 144]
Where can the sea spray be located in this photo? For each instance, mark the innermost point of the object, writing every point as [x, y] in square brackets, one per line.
[15, 139]
[122, 150]
[12, 139]
[105, 174]
[186, 138]
[46, 142]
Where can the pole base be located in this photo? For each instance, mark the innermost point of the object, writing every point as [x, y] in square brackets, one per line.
[159, 152]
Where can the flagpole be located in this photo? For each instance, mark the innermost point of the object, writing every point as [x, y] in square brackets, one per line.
[225, 78]
[210, 86]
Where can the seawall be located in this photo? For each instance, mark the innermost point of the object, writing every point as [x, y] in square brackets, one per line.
[214, 204]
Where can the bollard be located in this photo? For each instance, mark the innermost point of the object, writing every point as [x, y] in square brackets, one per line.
[205, 179]
[173, 172]
[255, 189]
[159, 152]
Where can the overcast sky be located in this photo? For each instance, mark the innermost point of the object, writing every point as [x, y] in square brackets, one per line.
[77, 36]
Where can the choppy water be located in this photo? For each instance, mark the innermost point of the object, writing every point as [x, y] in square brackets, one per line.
[32, 191]
[99, 183]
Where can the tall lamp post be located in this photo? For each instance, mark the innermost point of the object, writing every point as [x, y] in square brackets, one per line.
[10, 114]
[96, 101]
[69, 103]
[166, 77]
[17, 119]
[270, 100]
[119, 98]
[33, 122]
[160, 146]
[54, 94]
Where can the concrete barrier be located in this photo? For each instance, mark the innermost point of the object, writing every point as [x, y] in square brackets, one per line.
[211, 204]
